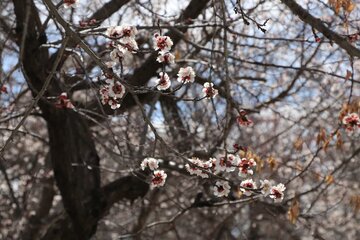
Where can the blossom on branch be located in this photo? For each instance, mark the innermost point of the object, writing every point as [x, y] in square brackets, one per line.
[277, 192]
[162, 43]
[198, 167]
[123, 31]
[351, 121]
[118, 54]
[129, 44]
[227, 164]
[265, 186]
[163, 82]
[111, 94]
[245, 166]
[124, 41]
[222, 189]
[209, 90]
[186, 75]
[166, 57]
[116, 89]
[152, 163]
[158, 179]
[246, 186]
[3, 89]
[114, 103]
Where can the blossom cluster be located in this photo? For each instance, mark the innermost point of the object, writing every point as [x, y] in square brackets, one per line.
[230, 163]
[198, 167]
[112, 93]
[123, 43]
[223, 164]
[158, 176]
[275, 192]
[163, 45]
[351, 121]
[248, 187]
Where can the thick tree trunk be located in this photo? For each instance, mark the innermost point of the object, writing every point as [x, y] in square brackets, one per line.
[71, 144]
[75, 163]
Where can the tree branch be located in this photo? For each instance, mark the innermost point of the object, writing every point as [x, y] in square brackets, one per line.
[318, 25]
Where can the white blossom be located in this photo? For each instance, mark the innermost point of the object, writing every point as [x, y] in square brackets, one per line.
[245, 167]
[166, 57]
[162, 43]
[247, 185]
[186, 75]
[158, 179]
[197, 167]
[123, 31]
[277, 192]
[118, 54]
[221, 189]
[163, 82]
[116, 89]
[265, 186]
[227, 164]
[129, 44]
[209, 90]
[152, 163]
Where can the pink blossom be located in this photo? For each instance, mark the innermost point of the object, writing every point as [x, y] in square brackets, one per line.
[64, 102]
[3, 89]
[104, 94]
[116, 89]
[351, 121]
[243, 120]
[114, 104]
[129, 44]
[111, 93]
